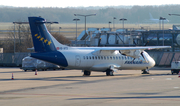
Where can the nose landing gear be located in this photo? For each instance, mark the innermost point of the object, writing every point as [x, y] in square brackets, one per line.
[145, 71]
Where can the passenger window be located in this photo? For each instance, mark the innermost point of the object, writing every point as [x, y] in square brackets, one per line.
[86, 57]
[95, 57]
[119, 58]
[116, 58]
[105, 57]
[101, 57]
[83, 57]
[108, 57]
[98, 57]
[122, 58]
[89, 57]
[113, 57]
[92, 57]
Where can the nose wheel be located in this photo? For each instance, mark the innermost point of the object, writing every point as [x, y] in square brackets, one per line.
[145, 71]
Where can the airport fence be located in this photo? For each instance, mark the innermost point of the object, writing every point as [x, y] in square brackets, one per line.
[164, 58]
[12, 59]
[161, 58]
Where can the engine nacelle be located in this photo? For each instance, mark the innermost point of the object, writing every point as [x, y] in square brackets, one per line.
[131, 53]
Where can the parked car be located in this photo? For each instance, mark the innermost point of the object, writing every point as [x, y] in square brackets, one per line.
[175, 67]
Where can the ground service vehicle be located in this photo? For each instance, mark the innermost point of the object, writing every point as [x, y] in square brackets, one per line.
[175, 67]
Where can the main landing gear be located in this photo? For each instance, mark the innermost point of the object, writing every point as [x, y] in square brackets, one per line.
[145, 71]
[87, 73]
[109, 72]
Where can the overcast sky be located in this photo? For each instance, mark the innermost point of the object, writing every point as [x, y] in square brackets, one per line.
[84, 3]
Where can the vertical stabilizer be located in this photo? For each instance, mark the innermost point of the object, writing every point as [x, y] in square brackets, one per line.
[151, 17]
[42, 39]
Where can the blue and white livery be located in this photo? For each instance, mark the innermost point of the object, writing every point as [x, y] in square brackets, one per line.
[102, 59]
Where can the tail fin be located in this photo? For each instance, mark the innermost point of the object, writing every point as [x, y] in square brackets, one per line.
[151, 17]
[42, 39]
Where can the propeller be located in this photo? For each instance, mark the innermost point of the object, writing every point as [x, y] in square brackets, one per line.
[99, 42]
[143, 51]
[146, 43]
[140, 53]
[122, 53]
[143, 56]
[134, 42]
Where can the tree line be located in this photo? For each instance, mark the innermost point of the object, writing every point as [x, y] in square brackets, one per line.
[22, 39]
[134, 14]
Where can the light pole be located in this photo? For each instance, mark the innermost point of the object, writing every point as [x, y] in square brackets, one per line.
[76, 19]
[162, 18]
[109, 24]
[59, 30]
[19, 32]
[159, 24]
[123, 19]
[172, 39]
[51, 23]
[113, 22]
[85, 21]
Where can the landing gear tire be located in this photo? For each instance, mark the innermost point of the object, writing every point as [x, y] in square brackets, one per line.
[87, 73]
[146, 71]
[109, 73]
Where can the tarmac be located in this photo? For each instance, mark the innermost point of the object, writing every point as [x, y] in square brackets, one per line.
[70, 88]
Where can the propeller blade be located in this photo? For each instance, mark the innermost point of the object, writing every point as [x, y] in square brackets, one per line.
[143, 56]
[134, 42]
[146, 43]
[133, 59]
[99, 41]
[122, 53]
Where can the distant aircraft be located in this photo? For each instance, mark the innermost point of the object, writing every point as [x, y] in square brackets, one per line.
[156, 20]
[102, 59]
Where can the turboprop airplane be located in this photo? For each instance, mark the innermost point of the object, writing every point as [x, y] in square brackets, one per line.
[102, 59]
[156, 20]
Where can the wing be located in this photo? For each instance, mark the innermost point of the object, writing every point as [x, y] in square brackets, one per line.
[134, 52]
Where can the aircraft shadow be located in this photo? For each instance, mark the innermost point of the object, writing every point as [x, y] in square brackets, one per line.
[74, 78]
[139, 97]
